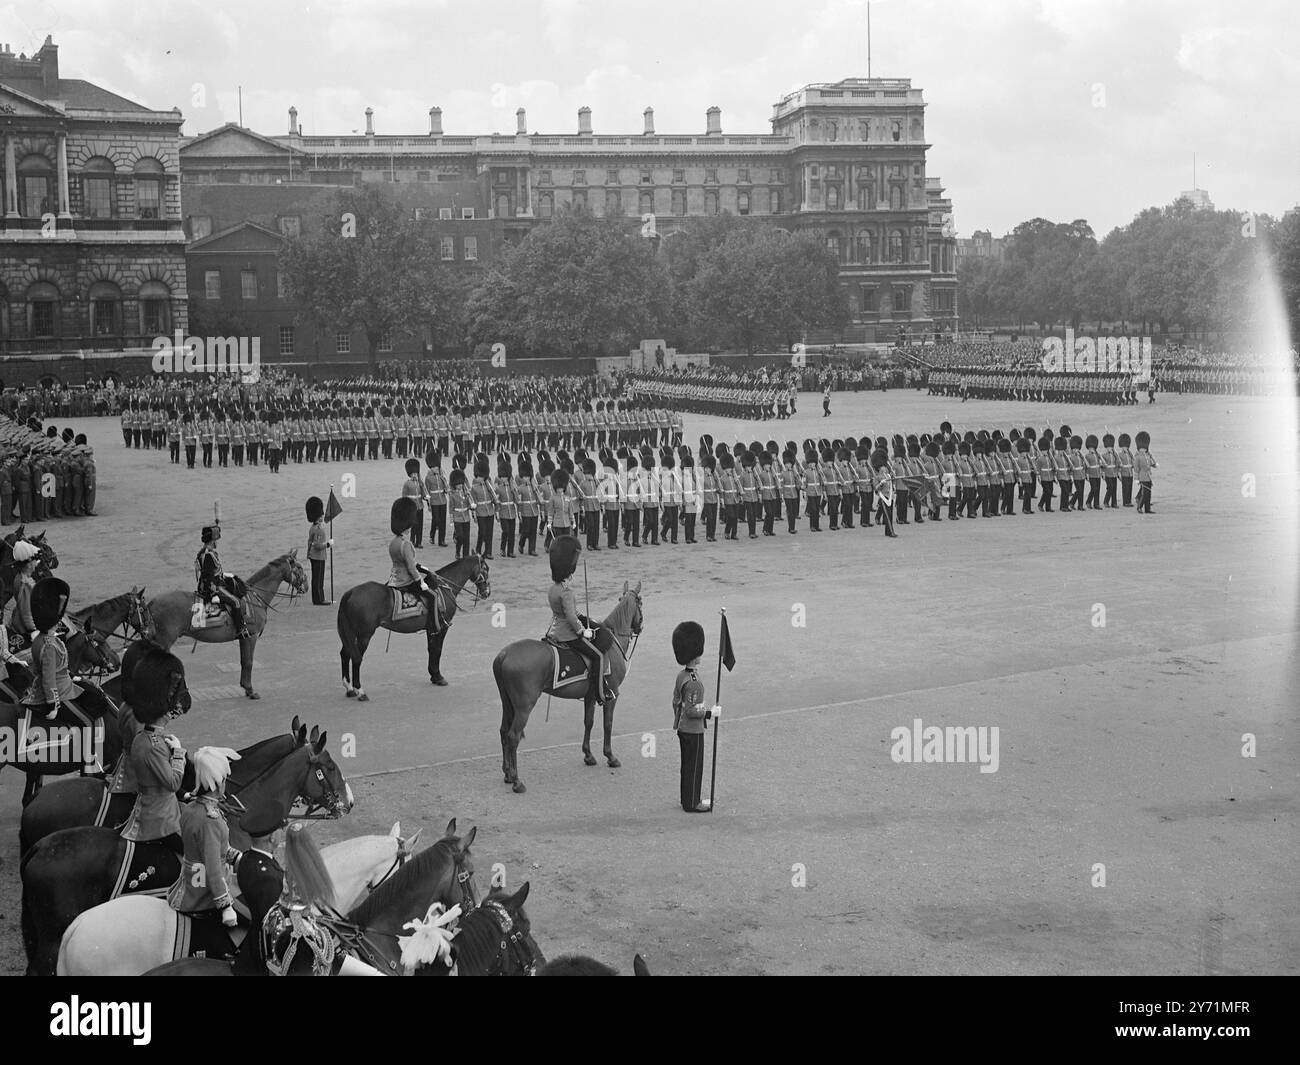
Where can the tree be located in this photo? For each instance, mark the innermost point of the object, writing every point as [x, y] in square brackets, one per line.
[366, 264]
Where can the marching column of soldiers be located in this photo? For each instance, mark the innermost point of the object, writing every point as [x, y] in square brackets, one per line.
[971, 382]
[45, 474]
[647, 496]
[752, 397]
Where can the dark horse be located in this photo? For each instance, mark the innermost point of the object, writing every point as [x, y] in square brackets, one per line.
[369, 607]
[126, 616]
[175, 614]
[73, 869]
[523, 672]
[87, 651]
[48, 561]
[442, 873]
[74, 803]
[582, 965]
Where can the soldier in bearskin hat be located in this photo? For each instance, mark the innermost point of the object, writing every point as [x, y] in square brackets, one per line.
[318, 545]
[610, 494]
[413, 487]
[791, 481]
[710, 494]
[1125, 463]
[689, 713]
[406, 573]
[729, 491]
[460, 506]
[158, 695]
[670, 494]
[435, 490]
[485, 506]
[567, 628]
[1092, 469]
[507, 504]
[651, 492]
[812, 486]
[883, 484]
[211, 577]
[1143, 464]
[1110, 470]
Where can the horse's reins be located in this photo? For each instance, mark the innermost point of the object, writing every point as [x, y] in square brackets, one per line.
[329, 801]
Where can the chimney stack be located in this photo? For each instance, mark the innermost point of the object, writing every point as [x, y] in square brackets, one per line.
[584, 120]
[521, 122]
[435, 122]
[293, 121]
[49, 57]
[370, 122]
[714, 116]
[649, 120]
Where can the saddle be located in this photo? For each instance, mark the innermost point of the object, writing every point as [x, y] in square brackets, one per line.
[72, 738]
[215, 613]
[408, 604]
[147, 869]
[568, 666]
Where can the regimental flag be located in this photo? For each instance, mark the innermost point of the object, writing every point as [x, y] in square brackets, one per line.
[728, 656]
[332, 508]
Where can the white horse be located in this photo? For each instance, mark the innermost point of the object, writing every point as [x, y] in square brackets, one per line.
[131, 934]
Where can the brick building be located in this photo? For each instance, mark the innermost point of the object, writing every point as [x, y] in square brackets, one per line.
[92, 259]
[844, 160]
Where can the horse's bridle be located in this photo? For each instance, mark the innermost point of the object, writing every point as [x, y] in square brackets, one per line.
[330, 802]
[633, 634]
[465, 878]
[514, 941]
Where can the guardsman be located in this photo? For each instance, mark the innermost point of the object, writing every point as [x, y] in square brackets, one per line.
[435, 489]
[812, 486]
[1046, 468]
[747, 480]
[650, 498]
[207, 433]
[237, 438]
[883, 483]
[1109, 470]
[485, 506]
[590, 502]
[526, 499]
[609, 493]
[791, 481]
[157, 757]
[690, 492]
[1077, 472]
[1061, 461]
[710, 491]
[413, 487]
[507, 505]
[1143, 463]
[318, 545]
[933, 475]
[1092, 470]
[1024, 469]
[670, 494]
[631, 500]
[174, 437]
[221, 433]
[210, 575]
[1125, 463]
[567, 629]
[729, 492]
[767, 492]
[127, 420]
[387, 433]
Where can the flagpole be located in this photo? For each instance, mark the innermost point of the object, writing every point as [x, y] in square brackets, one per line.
[331, 546]
[717, 699]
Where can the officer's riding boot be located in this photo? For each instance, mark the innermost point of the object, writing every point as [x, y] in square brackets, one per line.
[241, 625]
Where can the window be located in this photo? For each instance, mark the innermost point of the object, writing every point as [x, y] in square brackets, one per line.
[248, 284]
[343, 343]
[679, 177]
[503, 205]
[902, 301]
[866, 247]
[467, 213]
[447, 247]
[545, 205]
[212, 284]
[579, 177]
[646, 178]
[97, 188]
[281, 285]
[200, 226]
[36, 186]
[103, 318]
[866, 197]
[423, 175]
[710, 177]
[742, 203]
[148, 189]
[152, 317]
[43, 317]
[865, 127]
[813, 171]
[580, 199]
[386, 340]
[679, 202]
[774, 177]
[832, 197]
[290, 225]
[471, 248]
[934, 258]
[742, 175]
[286, 340]
[895, 197]
[896, 129]
[895, 247]
[832, 171]
[832, 131]
[710, 201]
[833, 245]
[613, 203]
[646, 202]
[774, 201]
[543, 177]
[444, 214]
[867, 300]
[611, 177]
[503, 177]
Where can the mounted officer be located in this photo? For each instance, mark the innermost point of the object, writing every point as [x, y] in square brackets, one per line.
[568, 628]
[212, 578]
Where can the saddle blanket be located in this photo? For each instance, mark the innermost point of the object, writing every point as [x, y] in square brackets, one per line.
[569, 667]
[409, 604]
[147, 869]
[72, 738]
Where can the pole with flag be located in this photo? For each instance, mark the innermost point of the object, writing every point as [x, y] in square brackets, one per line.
[332, 510]
[726, 657]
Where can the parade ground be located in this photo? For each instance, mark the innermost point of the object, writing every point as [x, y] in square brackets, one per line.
[1141, 673]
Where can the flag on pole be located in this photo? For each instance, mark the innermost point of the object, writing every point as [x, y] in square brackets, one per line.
[728, 656]
[332, 508]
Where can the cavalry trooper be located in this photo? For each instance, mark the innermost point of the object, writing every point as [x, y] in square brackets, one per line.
[567, 629]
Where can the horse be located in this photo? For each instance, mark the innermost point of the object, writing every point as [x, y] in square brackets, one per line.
[369, 607]
[132, 934]
[179, 613]
[443, 873]
[582, 965]
[73, 803]
[71, 870]
[524, 670]
[46, 564]
[87, 651]
[124, 616]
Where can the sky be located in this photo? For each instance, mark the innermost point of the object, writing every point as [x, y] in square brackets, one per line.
[1061, 109]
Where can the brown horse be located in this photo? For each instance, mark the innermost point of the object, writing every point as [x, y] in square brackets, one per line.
[523, 672]
[87, 651]
[369, 607]
[179, 613]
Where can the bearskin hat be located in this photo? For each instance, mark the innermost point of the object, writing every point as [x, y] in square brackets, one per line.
[913, 449]
[863, 453]
[1076, 442]
[405, 513]
[1108, 440]
[706, 443]
[945, 427]
[773, 448]
[1066, 432]
[630, 459]
[412, 467]
[709, 463]
[727, 462]
[315, 509]
[1046, 437]
[156, 677]
[1022, 446]
[755, 447]
[666, 460]
[1062, 444]
[747, 460]
[836, 444]
[949, 448]
[851, 443]
[647, 459]
[879, 460]
[881, 444]
[790, 445]
[765, 459]
[49, 600]
[719, 450]
[560, 479]
[525, 464]
[503, 466]
[1004, 445]
[687, 461]
[1091, 441]
[545, 467]
[688, 642]
[932, 449]
[963, 448]
[1124, 440]
[563, 557]
[457, 478]
[1013, 435]
[81, 438]
[481, 466]
[1143, 440]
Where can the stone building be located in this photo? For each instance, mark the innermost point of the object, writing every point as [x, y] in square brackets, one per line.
[92, 259]
[844, 160]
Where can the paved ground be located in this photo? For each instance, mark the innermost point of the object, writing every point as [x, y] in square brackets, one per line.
[1119, 745]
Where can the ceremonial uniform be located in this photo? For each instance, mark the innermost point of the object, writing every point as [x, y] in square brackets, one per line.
[158, 768]
[690, 714]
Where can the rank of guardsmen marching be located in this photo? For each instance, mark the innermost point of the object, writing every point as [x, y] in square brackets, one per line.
[44, 474]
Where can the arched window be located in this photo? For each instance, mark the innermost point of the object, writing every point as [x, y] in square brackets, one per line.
[503, 205]
[35, 186]
[834, 244]
[895, 246]
[43, 310]
[896, 197]
[546, 205]
[866, 247]
[105, 309]
[832, 197]
[97, 188]
[832, 131]
[866, 197]
[148, 189]
[814, 130]
[155, 309]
